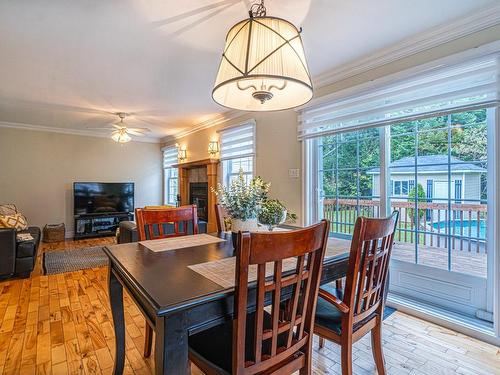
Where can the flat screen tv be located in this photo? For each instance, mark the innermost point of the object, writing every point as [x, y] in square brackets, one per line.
[103, 197]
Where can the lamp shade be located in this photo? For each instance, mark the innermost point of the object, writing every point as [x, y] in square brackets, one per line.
[120, 136]
[263, 67]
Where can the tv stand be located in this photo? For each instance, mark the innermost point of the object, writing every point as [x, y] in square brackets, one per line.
[99, 225]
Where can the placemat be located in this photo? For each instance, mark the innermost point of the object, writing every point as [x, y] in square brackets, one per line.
[174, 243]
[222, 271]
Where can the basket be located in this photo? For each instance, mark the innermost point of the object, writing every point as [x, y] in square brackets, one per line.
[54, 232]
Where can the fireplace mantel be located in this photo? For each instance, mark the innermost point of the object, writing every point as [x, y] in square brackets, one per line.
[212, 167]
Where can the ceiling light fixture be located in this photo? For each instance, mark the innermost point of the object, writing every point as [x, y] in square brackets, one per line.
[121, 136]
[263, 66]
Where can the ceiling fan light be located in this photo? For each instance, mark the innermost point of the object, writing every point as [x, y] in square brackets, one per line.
[120, 137]
[263, 67]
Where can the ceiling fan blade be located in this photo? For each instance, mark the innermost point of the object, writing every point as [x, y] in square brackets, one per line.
[116, 125]
[97, 128]
[145, 130]
[134, 132]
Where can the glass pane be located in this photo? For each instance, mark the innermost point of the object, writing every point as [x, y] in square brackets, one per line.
[440, 191]
[349, 165]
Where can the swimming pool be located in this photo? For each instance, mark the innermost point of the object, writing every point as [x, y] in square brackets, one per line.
[469, 227]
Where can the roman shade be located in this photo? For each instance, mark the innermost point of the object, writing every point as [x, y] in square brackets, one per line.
[169, 156]
[438, 91]
[238, 141]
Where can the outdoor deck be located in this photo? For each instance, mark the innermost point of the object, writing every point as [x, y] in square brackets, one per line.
[469, 263]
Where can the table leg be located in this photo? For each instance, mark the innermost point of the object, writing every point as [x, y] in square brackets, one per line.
[116, 300]
[171, 345]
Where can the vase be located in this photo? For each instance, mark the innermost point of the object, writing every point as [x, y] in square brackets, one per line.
[237, 225]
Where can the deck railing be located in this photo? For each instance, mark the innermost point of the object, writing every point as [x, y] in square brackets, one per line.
[458, 226]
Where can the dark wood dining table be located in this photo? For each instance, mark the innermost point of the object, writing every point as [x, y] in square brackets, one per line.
[176, 300]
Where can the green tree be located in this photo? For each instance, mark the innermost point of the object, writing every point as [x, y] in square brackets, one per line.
[417, 194]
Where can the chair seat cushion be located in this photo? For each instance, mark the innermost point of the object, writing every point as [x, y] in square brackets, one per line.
[327, 315]
[215, 345]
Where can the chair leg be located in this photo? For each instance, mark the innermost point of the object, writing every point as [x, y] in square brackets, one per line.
[321, 342]
[346, 356]
[148, 341]
[378, 354]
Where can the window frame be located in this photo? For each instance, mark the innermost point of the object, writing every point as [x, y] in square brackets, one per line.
[168, 178]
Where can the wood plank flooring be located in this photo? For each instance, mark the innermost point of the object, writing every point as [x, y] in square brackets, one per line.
[61, 324]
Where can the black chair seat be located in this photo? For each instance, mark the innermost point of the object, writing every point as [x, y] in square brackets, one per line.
[215, 345]
[327, 315]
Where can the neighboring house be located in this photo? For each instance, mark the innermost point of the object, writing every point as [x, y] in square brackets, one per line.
[432, 174]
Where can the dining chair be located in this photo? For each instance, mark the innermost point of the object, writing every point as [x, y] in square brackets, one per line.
[345, 316]
[221, 216]
[261, 342]
[157, 223]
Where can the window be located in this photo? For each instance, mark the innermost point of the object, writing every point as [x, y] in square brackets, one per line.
[402, 188]
[171, 176]
[435, 131]
[237, 150]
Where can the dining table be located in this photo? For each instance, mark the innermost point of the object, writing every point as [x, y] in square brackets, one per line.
[176, 300]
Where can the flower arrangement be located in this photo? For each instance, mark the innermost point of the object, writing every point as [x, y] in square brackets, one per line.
[273, 212]
[242, 201]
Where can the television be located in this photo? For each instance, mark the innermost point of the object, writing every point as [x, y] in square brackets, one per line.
[103, 197]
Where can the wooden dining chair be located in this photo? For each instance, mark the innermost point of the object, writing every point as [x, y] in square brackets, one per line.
[345, 316]
[221, 215]
[262, 342]
[157, 223]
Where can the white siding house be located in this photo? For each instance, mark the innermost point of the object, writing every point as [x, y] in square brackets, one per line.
[441, 179]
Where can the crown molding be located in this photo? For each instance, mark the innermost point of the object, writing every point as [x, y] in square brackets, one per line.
[52, 129]
[460, 27]
[218, 120]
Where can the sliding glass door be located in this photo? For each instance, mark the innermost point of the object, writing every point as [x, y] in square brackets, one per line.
[434, 171]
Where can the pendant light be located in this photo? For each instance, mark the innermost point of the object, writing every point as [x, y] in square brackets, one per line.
[263, 66]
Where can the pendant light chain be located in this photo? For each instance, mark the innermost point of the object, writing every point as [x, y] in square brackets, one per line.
[257, 10]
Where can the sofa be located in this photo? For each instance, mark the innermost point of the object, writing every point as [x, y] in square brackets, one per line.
[17, 258]
[127, 230]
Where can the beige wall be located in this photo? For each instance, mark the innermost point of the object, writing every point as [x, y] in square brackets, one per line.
[277, 150]
[277, 145]
[37, 171]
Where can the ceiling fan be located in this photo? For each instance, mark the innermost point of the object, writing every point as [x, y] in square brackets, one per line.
[120, 132]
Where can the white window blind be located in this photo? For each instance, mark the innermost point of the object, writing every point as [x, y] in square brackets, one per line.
[169, 156]
[237, 142]
[439, 91]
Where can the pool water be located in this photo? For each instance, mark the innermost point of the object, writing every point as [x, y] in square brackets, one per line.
[469, 227]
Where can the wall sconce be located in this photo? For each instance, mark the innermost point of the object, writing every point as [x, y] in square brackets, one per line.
[213, 148]
[182, 154]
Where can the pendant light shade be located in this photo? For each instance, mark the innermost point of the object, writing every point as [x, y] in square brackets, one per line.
[263, 67]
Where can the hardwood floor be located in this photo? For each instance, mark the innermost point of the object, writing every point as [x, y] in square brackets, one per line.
[61, 324]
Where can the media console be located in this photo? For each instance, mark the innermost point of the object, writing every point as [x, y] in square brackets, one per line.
[99, 225]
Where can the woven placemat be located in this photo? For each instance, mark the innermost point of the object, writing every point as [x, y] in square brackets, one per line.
[222, 271]
[175, 243]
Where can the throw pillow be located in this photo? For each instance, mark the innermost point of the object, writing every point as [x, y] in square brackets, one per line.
[16, 221]
[8, 209]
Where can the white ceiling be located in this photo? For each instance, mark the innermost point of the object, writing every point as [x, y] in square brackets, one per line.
[70, 64]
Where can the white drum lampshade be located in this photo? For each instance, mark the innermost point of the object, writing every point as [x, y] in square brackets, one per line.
[263, 67]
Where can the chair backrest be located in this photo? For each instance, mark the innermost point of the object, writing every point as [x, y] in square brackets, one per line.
[369, 258]
[221, 216]
[157, 223]
[289, 336]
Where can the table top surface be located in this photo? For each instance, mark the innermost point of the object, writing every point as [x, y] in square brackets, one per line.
[165, 279]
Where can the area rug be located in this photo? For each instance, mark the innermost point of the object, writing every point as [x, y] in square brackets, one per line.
[73, 260]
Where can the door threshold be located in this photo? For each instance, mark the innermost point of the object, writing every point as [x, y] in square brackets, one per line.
[467, 325]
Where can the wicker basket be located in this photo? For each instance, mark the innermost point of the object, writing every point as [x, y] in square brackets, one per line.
[54, 232]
